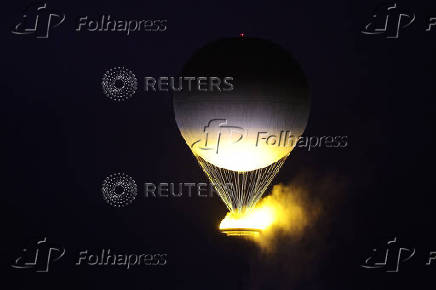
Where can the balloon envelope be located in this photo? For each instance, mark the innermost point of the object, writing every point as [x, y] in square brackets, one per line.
[259, 121]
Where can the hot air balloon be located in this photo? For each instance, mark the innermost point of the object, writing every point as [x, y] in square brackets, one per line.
[242, 137]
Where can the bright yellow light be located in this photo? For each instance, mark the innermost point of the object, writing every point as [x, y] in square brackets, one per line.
[245, 153]
[243, 157]
[251, 219]
[281, 212]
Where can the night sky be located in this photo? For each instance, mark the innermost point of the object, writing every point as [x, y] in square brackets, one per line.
[61, 137]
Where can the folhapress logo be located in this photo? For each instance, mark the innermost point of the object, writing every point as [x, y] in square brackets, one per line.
[389, 20]
[39, 256]
[218, 132]
[38, 20]
[393, 254]
[213, 131]
[109, 23]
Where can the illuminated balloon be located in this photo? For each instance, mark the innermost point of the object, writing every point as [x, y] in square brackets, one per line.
[242, 133]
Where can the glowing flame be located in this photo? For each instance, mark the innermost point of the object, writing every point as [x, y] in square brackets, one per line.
[284, 211]
[251, 218]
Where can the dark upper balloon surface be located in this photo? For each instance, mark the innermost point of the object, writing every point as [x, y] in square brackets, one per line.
[270, 94]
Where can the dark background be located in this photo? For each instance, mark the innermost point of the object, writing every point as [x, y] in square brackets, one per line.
[61, 137]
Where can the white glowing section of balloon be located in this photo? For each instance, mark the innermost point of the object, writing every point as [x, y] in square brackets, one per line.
[233, 134]
[258, 122]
